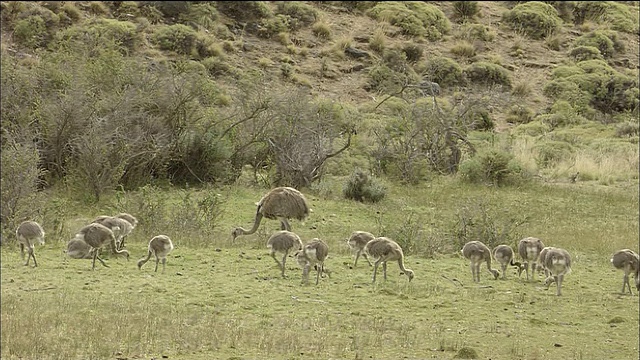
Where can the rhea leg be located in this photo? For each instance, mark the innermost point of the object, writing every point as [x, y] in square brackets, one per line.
[284, 260]
[319, 270]
[284, 224]
[375, 269]
[559, 279]
[504, 271]
[357, 256]
[164, 263]
[384, 270]
[273, 255]
[22, 251]
[157, 261]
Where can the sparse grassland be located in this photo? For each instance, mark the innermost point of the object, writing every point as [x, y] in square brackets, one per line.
[223, 300]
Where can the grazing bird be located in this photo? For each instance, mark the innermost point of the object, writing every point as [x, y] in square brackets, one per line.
[628, 261]
[529, 249]
[119, 226]
[558, 262]
[504, 255]
[97, 235]
[29, 233]
[283, 241]
[541, 268]
[132, 220]
[357, 242]
[477, 252]
[281, 203]
[383, 249]
[78, 249]
[160, 246]
[313, 253]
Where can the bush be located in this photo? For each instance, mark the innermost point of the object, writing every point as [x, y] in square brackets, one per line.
[412, 51]
[20, 177]
[362, 187]
[413, 17]
[551, 152]
[203, 14]
[491, 166]
[582, 53]
[465, 10]
[619, 16]
[179, 38]
[444, 71]
[464, 49]
[486, 73]
[603, 41]
[534, 128]
[30, 32]
[471, 32]
[628, 129]
[322, 30]
[100, 33]
[244, 10]
[520, 114]
[536, 19]
[299, 13]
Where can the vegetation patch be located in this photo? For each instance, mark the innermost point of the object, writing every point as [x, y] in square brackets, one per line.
[605, 41]
[534, 18]
[489, 74]
[444, 71]
[415, 18]
[619, 16]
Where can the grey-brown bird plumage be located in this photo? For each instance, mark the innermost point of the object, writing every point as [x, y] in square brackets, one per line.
[281, 203]
[383, 249]
[628, 261]
[29, 233]
[283, 242]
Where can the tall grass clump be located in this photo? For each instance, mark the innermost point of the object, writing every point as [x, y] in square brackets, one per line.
[465, 10]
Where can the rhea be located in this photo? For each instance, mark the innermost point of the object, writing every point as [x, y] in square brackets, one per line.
[160, 246]
[97, 236]
[529, 249]
[628, 261]
[477, 252]
[383, 249]
[119, 226]
[357, 242]
[283, 241]
[281, 203]
[29, 233]
[504, 256]
[558, 262]
[314, 254]
[78, 249]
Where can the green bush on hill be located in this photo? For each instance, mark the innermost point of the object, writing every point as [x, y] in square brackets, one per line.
[179, 38]
[444, 71]
[534, 18]
[582, 53]
[492, 166]
[620, 17]
[485, 73]
[101, 32]
[605, 41]
[414, 17]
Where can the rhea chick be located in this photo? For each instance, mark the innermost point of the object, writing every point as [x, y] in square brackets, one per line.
[314, 254]
[477, 252]
[160, 246]
[29, 233]
[357, 242]
[383, 249]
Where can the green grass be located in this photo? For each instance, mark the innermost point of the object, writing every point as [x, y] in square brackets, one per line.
[223, 300]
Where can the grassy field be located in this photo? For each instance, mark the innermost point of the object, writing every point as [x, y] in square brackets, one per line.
[226, 301]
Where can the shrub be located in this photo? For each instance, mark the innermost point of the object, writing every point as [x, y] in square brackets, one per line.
[272, 26]
[377, 41]
[244, 10]
[582, 53]
[413, 17]
[179, 38]
[203, 14]
[412, 51]
[562, 114]
[300, 14]
[30, 32]
[20, 177]
[98, 8]
[534, 128]
[491, 166]
[465, 10]
[602, 41]
[471, 32]
[322, 30]
[619, 16]
[519, 114]
[444, 71]
[463, 48]
[628, 129]
[486, 73]
[103, 32]
[536, 19]
[362, 187]
[551, 152]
